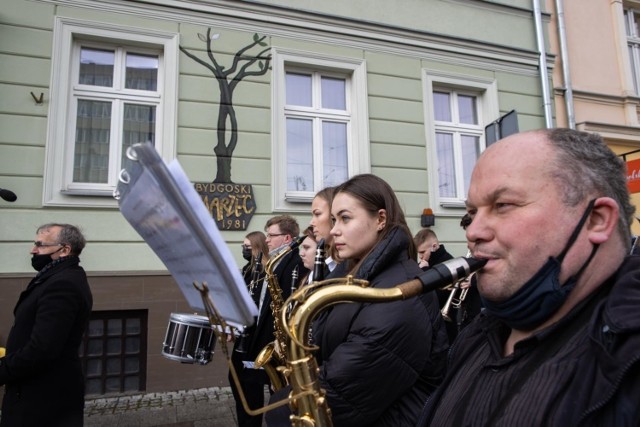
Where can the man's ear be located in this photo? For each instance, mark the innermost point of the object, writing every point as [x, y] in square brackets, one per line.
[603, 220]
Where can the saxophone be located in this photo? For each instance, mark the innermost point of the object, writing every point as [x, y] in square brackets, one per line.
[278, 347]
[307, 399]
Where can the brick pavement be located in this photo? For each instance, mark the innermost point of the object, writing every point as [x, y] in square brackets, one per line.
[206, 407]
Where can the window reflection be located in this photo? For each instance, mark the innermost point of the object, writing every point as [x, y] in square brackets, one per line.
[141, 72]
[298, 88]
[96, 67]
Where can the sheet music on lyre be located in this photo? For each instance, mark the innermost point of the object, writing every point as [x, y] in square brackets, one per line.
[158, 200]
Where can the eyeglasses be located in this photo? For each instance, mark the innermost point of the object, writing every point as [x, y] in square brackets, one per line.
[269, 235]
[39, 244]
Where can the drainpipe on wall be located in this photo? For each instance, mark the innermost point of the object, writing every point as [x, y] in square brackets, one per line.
[542, 65]
[566, 75]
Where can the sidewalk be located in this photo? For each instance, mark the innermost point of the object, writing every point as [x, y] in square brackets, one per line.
[206, 407]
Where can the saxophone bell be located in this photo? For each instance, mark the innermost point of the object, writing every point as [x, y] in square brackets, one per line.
[267, 359]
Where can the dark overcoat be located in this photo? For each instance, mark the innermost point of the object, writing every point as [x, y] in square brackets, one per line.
[41, 371]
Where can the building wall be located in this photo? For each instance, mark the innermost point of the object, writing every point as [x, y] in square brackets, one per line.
[160, 296]
[399, 43]
[604, 98]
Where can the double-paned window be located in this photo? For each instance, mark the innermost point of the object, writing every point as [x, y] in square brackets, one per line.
[320, 133]
[458, 108]
[317, 122]
[111, 88]
[458, 136]
[114, 103]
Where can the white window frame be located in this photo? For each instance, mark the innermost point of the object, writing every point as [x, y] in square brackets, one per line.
[58, 188]
[633, 46]
[354, 70]
[486, 92]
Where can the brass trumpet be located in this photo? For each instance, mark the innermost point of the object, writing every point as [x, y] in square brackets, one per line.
[456, 295]
[455, 300]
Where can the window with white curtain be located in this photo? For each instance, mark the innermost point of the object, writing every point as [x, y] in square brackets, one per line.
[113, 87]
[458, 136]
[317, 123]
[632, 29]
[320, 125]
[458, 109]
[110, 113]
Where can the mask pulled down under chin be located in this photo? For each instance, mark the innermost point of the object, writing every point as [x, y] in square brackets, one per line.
[39, 261]
[536, 301]
[542, 295]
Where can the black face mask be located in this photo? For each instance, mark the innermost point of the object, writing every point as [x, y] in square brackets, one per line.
[246, 254]
[543, 294]
[38, 262]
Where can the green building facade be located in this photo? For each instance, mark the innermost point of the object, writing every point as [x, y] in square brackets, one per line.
[283, 96]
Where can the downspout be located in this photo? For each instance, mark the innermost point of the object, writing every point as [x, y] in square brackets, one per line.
[542, 65]
[566, 75]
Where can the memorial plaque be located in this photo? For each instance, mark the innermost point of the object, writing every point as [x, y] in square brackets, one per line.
[231, 205]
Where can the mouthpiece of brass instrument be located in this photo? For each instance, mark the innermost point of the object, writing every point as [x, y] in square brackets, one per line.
[441, 275]
[449, 272]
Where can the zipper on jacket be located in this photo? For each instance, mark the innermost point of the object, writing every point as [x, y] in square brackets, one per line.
[613, 391]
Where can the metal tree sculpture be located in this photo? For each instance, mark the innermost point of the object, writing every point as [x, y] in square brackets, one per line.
[227, 80]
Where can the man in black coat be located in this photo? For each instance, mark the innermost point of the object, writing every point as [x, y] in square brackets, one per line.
[281, 231]
[41, 371]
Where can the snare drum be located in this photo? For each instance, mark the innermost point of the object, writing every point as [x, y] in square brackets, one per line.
[189, 339]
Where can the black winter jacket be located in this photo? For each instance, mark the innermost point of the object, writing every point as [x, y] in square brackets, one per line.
[591, 378]
[381, 360]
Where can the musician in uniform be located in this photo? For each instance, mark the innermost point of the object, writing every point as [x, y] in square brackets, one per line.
[280, 231]
[558, 341]
[256, 252]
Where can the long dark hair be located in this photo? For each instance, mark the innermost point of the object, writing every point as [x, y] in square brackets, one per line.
[374, 194]
[258, 244]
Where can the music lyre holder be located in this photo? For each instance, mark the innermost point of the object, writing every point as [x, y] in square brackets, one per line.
[220, 329]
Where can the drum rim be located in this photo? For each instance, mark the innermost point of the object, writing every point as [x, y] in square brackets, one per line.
[190, 319]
